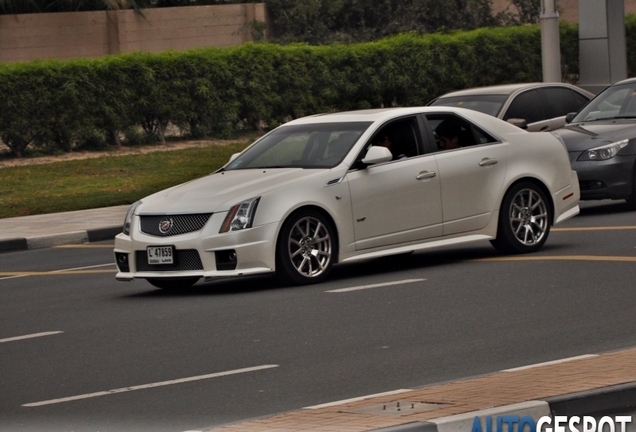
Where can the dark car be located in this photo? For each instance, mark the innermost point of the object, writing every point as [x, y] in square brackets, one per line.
[535, 106]
[601, 141]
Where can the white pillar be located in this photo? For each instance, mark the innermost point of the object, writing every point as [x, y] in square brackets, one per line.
[602, 46]
[550, 41]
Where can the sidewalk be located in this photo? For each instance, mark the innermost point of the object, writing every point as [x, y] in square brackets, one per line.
[578, 386]
[31, 232]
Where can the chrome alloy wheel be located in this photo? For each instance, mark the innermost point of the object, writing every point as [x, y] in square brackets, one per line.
[310, 247]
[529, 217]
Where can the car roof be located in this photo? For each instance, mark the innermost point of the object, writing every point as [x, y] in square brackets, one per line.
[626, 81]
[508, 89]
[371, 115]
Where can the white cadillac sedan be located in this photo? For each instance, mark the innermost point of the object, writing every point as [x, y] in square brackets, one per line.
[340, 187]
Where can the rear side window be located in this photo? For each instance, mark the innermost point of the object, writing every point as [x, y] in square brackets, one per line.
[561, 101]
[526, 106]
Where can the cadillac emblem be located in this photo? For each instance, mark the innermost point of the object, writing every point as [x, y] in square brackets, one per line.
[165, 225]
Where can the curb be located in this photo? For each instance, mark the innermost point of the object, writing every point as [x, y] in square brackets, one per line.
[622, 396]
[464, 422]
[75, 237]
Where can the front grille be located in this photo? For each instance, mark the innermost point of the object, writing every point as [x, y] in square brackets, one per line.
[171, 225]
[185, 259]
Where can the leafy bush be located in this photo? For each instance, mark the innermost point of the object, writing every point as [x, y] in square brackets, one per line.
[62, 105]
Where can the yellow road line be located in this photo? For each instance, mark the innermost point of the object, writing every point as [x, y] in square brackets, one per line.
[609, 228]
[85, 246]
[559, 258]
[54, 273]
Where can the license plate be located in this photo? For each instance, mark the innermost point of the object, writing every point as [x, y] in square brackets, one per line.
[158, 255]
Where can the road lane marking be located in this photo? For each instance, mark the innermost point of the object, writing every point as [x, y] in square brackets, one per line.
[151, 385]
[378, 285]
[553, 362]
[606, 228]
[558, 258]
[356, 399]
[30, 336]
[85, 246]
[75, 270]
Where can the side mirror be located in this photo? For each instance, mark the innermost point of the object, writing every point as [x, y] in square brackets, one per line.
[569, 117]
[519, 122]
[234, 156]
[377, 154]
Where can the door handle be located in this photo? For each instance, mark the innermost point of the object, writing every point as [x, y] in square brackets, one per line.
[425, 175]
[488, 162]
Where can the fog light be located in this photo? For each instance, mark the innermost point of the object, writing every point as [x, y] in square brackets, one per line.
[225, 259]
[121, 259]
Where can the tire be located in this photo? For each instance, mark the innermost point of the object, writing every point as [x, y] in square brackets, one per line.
[306, 248]
[524, 220]
[173, 283]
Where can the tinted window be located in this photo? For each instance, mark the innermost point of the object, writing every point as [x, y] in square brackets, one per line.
[488, 104]
[319, 145]
[526, 106]
[561, 101]
[467, 133]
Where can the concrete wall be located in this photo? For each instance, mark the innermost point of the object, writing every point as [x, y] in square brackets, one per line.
[568, 9]
[93, 34]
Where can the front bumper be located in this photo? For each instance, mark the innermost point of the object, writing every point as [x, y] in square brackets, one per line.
[204, 254]
[608, 179]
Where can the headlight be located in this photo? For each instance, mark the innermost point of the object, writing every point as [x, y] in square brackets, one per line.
[129, 216]
[240, 216]
[604, 152]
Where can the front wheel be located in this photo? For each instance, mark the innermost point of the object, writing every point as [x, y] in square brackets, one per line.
[524, 220]
[306, 248]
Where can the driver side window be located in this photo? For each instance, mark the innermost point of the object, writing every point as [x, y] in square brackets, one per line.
[400, 137]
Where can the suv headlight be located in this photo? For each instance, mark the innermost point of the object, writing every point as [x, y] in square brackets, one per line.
[603, 152]
[240, 216]
[129, 216]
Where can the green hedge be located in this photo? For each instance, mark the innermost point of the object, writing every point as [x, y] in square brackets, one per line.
[64, 105]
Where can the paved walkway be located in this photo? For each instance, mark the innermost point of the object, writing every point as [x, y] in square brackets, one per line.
[577, 386]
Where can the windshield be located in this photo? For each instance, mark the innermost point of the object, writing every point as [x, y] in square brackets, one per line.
[613, 102]
[318, 145]
[488, 104]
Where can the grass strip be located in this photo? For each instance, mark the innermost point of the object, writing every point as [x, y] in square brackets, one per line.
[104, 181]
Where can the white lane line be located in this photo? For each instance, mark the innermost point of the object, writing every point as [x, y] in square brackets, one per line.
[151, 385]
[385, 284]
[29, 336]
[356, 399]
[83, 268]
[551, 362]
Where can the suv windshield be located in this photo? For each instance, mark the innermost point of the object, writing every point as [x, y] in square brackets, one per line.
[318, 145]
[488, 104]
[613, 102]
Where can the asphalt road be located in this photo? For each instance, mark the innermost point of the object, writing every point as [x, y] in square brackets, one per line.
[82, 352]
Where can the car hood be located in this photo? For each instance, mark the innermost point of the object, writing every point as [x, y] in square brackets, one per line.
[220, 191]
[583, 136]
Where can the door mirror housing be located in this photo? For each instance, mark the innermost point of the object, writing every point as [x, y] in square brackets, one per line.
[519, 122]
[569, 117]
[234, 156]
[377, 154]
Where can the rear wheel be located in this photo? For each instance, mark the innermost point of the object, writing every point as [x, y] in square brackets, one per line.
[524, 220]
[306, 248]
[173, 283]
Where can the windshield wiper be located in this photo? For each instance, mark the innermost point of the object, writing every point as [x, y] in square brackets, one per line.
[625, 117]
